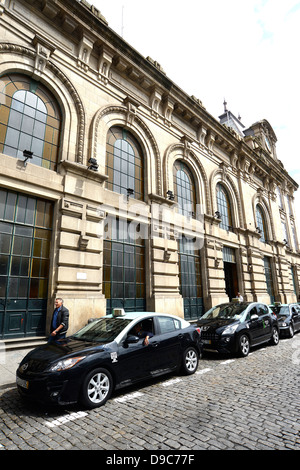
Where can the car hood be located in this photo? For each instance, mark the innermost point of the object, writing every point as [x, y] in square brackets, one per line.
[42, 357]
[211, 325]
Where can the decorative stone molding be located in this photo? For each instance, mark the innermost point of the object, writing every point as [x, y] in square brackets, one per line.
[168, 107]
[44, 50]
[84, 52]
[154, 101]
[132, 106]
[104, 64]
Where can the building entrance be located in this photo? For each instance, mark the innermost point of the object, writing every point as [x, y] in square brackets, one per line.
[230, 271]
[25, 238]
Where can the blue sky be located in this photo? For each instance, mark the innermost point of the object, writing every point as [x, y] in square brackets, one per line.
[245, 51]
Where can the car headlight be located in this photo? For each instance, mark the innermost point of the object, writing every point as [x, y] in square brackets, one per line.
[66, 364]
[230, 329]
[284, 324]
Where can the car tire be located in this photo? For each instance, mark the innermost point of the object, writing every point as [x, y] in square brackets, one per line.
[243, 346]
[291, 330]
[275, 336]
[97, 388]
[190, 361]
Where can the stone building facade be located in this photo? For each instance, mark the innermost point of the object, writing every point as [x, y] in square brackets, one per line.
[117, 189]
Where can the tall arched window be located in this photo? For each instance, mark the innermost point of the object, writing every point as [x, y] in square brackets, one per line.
[184, 189]
[124, 164]
[30, 119]
[261, 223]
[224, 208]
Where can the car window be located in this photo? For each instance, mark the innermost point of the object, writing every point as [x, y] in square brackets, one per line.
[253, 311]
[148, 325]
[295, 309]
[262, 309]
[168, 325]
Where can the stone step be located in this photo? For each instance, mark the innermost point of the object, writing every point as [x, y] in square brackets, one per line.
[22, 343]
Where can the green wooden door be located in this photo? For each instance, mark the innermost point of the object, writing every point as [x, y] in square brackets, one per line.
[25, 238]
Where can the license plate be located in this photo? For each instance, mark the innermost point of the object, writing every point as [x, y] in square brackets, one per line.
[207, 341]
[22, 383]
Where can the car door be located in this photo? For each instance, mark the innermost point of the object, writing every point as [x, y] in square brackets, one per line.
[254, 325]
[265, 322]
[168, 351]
[135, 360]
[295, 310]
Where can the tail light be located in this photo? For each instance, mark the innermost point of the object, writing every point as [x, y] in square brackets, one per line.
[199, 330]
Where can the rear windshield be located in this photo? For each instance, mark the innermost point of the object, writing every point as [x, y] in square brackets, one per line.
[104, 330]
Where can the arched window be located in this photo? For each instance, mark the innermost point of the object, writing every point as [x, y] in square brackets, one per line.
[224, 208]
[30, 119]
[261, 224]
[184, 189]
[124, 164]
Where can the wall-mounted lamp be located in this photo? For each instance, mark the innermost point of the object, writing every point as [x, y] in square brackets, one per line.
[93, 164]
[27, 154]
[217, 215]
[130, 192]
[258, 230]
[250, 268]
[285, 242]
[170, 195]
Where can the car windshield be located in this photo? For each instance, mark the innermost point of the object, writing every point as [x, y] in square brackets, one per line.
[282, 312]
[104, 330]
[233, 311]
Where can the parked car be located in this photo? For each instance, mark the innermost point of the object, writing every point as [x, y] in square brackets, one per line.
[236, 327]
[288, 316]
[108, 354]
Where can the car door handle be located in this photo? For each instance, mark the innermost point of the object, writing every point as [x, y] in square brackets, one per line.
[154, 344]
[180, 336]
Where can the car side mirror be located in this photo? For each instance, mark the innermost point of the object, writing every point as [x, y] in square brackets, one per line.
[254, 317]
[131, 339]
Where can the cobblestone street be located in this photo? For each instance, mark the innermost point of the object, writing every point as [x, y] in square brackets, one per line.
[230, 403]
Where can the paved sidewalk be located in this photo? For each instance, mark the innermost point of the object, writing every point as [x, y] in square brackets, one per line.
[9, 362]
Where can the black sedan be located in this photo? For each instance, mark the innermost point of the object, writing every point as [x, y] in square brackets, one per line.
[107, 354]
[288, 318]
[236, 327]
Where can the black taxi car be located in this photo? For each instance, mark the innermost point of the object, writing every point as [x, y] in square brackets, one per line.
[288, 318]
[235, 327]
[108, 354]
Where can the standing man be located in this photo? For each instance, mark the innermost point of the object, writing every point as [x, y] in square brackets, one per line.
[60, 321]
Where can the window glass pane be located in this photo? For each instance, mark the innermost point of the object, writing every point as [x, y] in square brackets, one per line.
[4, 263]
[28, 124]
[16, 119]
[12, 137]
[10, 206]
[5, 241]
